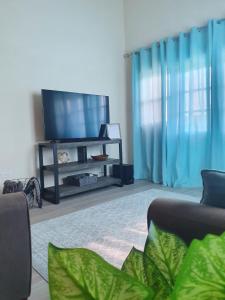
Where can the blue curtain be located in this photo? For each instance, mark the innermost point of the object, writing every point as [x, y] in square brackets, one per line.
[178, 98]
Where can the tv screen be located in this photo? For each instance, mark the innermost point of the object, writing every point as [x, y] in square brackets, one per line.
[73, 116]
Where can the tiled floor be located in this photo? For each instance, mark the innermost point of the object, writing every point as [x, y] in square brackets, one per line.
[39, 290]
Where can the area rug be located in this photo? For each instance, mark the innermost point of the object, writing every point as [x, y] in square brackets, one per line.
[111, 229]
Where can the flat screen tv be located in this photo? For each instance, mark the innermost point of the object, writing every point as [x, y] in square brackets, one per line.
[73, 116]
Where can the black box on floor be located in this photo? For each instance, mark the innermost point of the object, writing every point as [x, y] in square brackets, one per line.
[127, 175]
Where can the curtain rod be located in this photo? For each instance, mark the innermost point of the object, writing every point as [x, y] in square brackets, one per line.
[128, 54]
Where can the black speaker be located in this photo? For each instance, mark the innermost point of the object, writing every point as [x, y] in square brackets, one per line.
[127, 175]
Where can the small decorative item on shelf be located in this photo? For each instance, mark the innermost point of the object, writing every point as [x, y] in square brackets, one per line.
[100, 157]
[81, 179]
[63, 157]
[113, 131]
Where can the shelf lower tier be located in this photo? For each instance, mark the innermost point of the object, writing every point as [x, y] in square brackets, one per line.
[69, 190]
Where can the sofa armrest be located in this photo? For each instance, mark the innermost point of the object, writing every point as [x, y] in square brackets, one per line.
[15, 247]
[187, 219]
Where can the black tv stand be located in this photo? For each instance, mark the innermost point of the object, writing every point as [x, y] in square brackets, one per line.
[58, 191]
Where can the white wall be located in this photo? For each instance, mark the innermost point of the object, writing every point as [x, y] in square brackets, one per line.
[147, 21]
[74, 45]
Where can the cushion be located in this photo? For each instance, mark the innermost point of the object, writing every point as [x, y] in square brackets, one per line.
[213, 188]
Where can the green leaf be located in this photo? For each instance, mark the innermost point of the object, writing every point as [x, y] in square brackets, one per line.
[134, 265]
[163, 257]
[202, 275]
[82, 274]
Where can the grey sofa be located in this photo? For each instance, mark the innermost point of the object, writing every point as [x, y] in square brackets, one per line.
[15, 247]
[187, 219]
